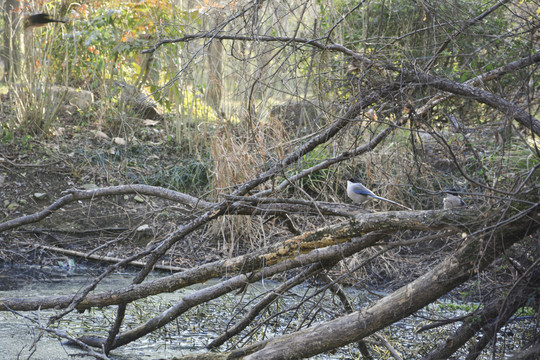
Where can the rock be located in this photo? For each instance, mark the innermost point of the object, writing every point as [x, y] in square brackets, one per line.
[40, 196]
[101, 135]
[78, 98]
[119, 141]
[144, 228]
[143, 235]
[138, 101]
[12, 206]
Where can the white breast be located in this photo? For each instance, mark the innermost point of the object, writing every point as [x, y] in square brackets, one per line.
[357, 198]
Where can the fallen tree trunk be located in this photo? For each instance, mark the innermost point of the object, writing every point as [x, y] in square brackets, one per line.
[276, 253]
[470, 259]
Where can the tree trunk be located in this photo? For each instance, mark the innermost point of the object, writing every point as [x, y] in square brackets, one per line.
[452, 272]
[10, 51]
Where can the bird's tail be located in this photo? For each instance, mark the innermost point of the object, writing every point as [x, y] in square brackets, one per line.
[390, 201]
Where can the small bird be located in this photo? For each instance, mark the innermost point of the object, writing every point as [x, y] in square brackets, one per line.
[358, 193]
[38, 20]
[452, 200]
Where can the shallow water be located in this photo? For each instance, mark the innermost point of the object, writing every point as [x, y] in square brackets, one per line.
[18, 334]
[188, 333]
[183, 336]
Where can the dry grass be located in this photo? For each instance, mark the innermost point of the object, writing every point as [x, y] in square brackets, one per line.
[36, 106]
[238, 155]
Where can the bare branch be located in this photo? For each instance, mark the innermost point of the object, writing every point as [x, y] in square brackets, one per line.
[276, 253]
[403, 302]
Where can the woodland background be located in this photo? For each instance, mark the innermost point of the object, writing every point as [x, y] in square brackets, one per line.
[213, 140]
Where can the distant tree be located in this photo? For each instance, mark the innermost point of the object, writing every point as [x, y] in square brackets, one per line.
[10, 42]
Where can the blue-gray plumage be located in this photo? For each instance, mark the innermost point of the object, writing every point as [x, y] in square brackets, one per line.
[358, 193]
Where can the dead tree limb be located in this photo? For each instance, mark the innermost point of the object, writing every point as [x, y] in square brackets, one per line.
[264, 303]
[325, 257]
[288, 249]
[454, 270]
[76, 195]
[491, 317]
[105, 258]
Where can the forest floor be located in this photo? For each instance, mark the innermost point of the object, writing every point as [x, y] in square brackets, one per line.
[36, 172]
